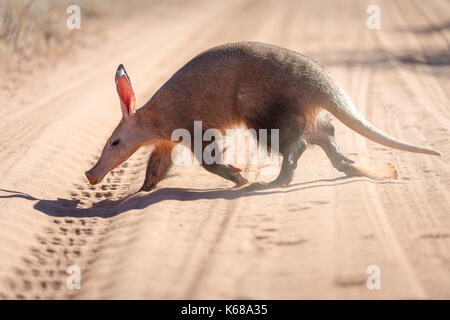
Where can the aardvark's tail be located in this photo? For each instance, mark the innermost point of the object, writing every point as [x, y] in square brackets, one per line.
[348, 115]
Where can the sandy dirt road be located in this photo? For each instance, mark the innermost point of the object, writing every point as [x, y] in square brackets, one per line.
[194, 236]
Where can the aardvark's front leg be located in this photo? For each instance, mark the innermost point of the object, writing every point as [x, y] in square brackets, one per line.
[158, 165]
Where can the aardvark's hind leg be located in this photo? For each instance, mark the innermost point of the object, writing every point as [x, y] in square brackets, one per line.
[292, 146]
[289, 164]
[158, 165]
[328, 143]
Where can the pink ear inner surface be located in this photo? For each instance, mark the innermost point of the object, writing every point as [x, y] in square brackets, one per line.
[126, 93]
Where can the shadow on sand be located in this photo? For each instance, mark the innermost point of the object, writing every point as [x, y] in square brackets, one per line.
[380, 58]
[140, 200]
[431, 28]
[383, 59]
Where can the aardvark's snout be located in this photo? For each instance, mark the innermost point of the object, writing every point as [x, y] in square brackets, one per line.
[92, 177]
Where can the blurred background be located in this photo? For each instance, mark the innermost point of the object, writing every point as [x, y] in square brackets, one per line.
[195, 237]
[31, 29]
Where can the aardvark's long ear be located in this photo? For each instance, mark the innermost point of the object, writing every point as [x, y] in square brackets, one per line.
[125, 91]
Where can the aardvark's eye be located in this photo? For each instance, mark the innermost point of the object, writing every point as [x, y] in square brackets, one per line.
[115, 142]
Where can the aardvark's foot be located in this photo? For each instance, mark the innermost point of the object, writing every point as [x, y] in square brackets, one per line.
[241, 182]
[388, 172]
[147, 187]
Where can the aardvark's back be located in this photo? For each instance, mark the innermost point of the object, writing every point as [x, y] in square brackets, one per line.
[259, 85]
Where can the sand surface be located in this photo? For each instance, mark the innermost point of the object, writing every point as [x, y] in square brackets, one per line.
[194, 236]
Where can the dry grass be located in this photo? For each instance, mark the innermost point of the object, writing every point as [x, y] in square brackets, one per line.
[32, 29]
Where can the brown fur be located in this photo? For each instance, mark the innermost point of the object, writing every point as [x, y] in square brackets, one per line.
[262, 87]
[257, 85]
[158, 164]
